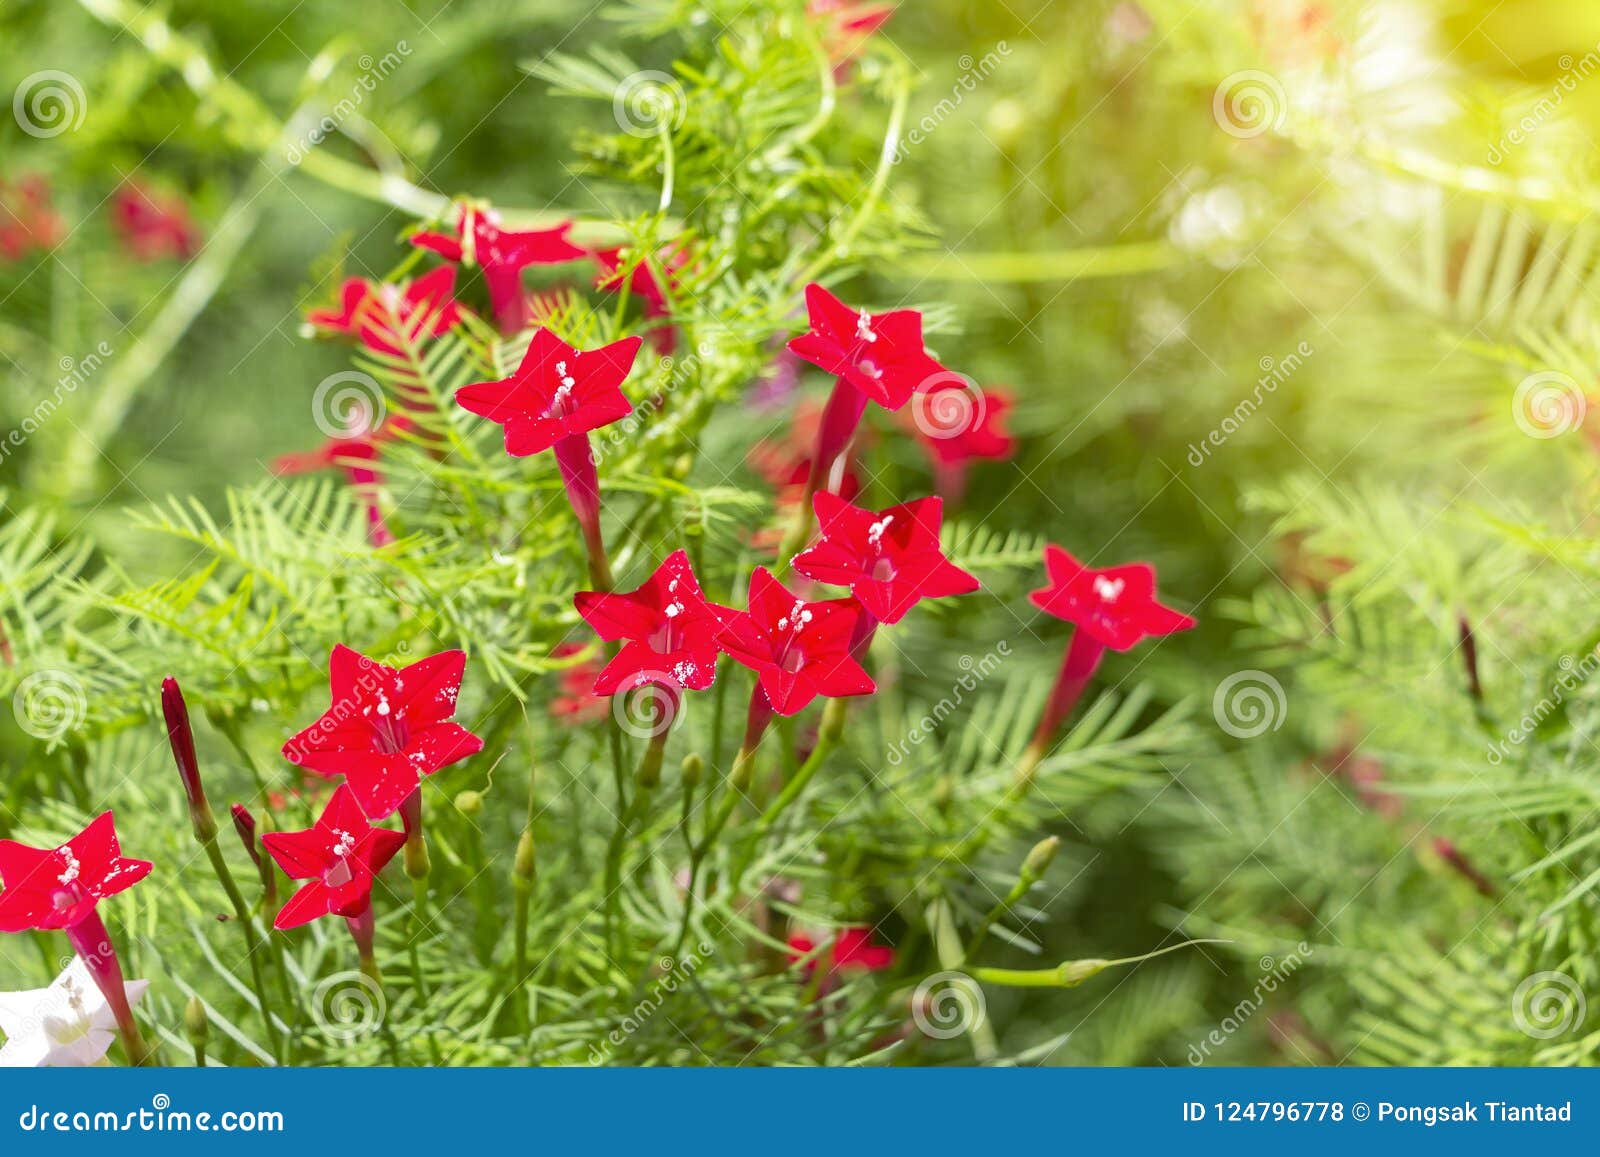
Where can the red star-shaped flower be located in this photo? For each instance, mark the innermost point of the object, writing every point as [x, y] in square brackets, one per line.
[386, 728]
[879, 354]
[55, 888]
[341, 856]
[388, 319]
[671, 630]
[503, 254]
[151, 226]
[852, 950]
[558, 391]
[798, 650]
[890, 559]
[1117, 606]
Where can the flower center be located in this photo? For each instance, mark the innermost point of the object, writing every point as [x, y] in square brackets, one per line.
[789, 655]
[864, 329]
[563, 403]
[1109, 590]
[340, 873]
[389, 732]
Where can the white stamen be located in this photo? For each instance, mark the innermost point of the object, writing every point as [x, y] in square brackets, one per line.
[1108, 589]
[864, 329]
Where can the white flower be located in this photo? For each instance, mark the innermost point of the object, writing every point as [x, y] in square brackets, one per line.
[68, 1025]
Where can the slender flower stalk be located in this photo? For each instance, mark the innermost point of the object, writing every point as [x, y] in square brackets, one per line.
[180, 734]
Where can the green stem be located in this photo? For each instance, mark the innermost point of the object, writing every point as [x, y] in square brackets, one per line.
[252, 941]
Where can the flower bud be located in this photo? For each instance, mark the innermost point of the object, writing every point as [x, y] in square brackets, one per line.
[196, 1027]
[245, 824]
[693, 768]
[1038, 861]
[524, 869]
[469, 803]
[181, 736]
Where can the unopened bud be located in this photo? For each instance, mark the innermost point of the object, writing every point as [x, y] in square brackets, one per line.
[1074, 972]
[524, 868]
[693, 768]
[1039, 859]
[469, 802]
[180, 734]
[245, 824]
[196, 1026]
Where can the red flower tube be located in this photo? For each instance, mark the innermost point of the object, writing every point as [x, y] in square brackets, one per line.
[1114, 608]
[59, 888]
[554, 399]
